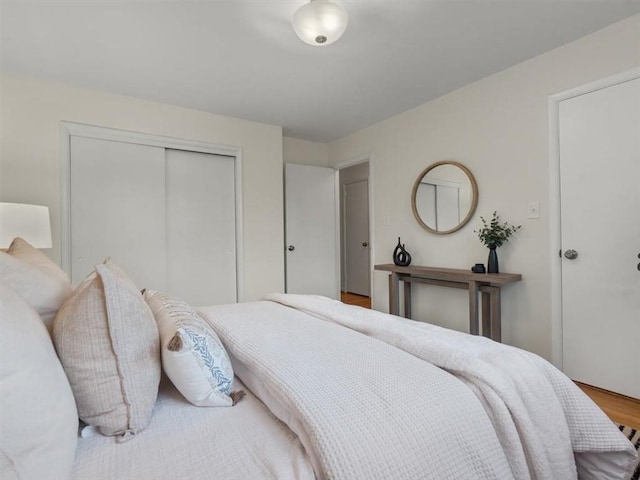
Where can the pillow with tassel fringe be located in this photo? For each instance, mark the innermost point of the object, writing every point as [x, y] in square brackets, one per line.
[193, 356]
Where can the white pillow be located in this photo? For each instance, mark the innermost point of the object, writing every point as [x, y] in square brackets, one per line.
[34, 276]
[38, 417]
[193, 356]
[107, 341]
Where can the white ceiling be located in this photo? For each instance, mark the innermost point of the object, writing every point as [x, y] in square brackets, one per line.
[241, 58]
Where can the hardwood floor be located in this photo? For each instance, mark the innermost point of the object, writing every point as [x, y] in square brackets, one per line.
[353, 299]
[618, 408]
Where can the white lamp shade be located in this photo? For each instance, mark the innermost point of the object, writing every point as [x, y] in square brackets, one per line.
[30, 222]
[320, 22]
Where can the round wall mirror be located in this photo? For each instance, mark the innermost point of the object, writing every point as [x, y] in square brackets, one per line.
[444, 197]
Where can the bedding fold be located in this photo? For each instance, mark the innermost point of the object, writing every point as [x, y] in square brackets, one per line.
[363, 409]
[547, 427]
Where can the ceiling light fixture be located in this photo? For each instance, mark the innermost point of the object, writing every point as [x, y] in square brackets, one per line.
[320, 22]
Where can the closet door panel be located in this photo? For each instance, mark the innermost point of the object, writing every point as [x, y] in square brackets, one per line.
[118, 209]
[201, 227]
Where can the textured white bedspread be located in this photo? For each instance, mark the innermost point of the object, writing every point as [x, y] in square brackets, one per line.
[546, 425]
[185, 442]
[363, 409]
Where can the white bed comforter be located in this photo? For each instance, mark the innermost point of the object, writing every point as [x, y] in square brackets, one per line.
[545, 424]
[363, 409]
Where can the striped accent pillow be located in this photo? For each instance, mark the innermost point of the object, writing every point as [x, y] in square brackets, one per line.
[634, 437]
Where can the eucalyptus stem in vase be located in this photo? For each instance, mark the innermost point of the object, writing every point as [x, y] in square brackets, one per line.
[494, 234]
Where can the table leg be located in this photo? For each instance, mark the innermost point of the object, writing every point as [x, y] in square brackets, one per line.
[394, 294]
[407, 299]
[496, 321]
[474, 327]
[486, 314]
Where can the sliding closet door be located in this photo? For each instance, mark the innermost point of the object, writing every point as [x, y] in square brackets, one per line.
[167, 217]
[201, 226]
[117, 209]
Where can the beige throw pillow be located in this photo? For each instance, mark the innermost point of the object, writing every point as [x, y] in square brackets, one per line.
[38, 417]
[107, 341]
[34, 276]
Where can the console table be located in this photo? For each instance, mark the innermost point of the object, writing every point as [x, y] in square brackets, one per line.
[488, 284]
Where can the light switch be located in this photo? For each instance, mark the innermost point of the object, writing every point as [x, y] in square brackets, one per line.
[534, 210]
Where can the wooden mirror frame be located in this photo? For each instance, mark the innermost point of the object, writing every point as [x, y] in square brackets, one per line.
[474, 197]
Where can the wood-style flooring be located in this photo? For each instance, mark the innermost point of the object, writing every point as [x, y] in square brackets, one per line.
[618, 408]
[353, 299]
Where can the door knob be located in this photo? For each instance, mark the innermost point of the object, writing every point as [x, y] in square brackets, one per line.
[291, 248]
[365, 244]
[571, 254]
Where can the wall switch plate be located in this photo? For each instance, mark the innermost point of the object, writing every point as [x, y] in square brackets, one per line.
[534, 210]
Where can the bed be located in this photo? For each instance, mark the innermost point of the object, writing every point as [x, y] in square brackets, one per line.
[331, 391]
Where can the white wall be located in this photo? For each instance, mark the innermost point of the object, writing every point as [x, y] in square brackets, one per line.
[498, 128]
[30, 115]
[304, 152]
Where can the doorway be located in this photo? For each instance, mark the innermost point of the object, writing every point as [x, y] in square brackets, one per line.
[355, 258]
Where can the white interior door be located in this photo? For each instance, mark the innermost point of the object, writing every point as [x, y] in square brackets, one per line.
[356, 225]
[117, 209]
[310, 224]
[600, 213]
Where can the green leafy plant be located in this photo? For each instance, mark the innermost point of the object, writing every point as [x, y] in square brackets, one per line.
[494, 232]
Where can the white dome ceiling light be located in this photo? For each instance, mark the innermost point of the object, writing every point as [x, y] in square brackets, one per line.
[320, 22]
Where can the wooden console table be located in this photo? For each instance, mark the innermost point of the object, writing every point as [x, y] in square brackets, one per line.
[488, 284]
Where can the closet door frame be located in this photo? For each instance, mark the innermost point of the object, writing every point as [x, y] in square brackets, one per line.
[69, 129]
[555, 224]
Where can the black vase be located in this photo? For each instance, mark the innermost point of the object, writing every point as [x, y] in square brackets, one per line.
[401, 257]
[492, 263]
